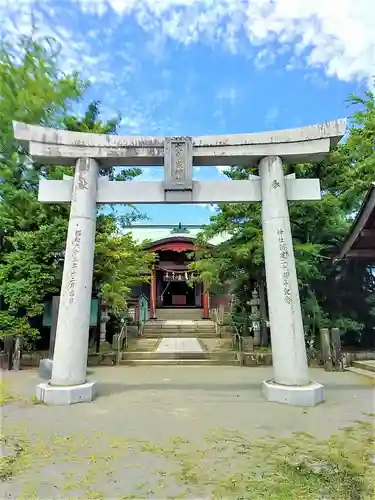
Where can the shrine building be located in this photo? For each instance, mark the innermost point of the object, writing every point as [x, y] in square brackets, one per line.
[360, 241]
[169, 288]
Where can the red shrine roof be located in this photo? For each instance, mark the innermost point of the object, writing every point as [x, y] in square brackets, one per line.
[177, 243]
[168, 237]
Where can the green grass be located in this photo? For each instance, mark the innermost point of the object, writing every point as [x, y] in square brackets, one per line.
[262, 350]
[35, 401]
[226, 465]
[6, 394]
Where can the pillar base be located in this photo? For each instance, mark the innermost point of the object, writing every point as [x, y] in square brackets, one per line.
[308, 395]
[58, 395]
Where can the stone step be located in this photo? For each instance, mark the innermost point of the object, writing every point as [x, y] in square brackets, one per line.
[179, 314]
[173, 317]
[186, 324]
[165, 326]
[217, 344]
[146, 355]
[181, 323]
[177, 331]
[186, 362]
[179, 310]
[360, 371]
[142, 344]
[367, 364]
[159, 334]
[178, 318]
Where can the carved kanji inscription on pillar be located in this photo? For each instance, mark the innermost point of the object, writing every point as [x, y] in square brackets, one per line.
[83, 168]
[76, 246]
[284, 254]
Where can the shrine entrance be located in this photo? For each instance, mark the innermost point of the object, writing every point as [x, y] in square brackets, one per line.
[177, 294]
[268, 151]
[170, 285]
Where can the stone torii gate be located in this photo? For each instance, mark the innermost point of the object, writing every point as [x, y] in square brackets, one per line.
[291, 383]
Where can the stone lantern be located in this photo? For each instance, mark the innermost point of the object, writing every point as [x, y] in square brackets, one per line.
[255, 316]
[104, 318]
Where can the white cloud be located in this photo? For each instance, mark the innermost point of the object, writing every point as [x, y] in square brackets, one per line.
[43, 20]
[210, 207]
[265, 57]
[336, 35]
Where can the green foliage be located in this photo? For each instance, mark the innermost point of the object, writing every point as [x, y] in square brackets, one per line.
[32, 89]
[120, 263]
[13, 325]
[32, 270]
[33, 235]
[90, 122]
[335, 295]
[356, 157]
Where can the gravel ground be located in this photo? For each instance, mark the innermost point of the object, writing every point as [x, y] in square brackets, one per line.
[161, 431]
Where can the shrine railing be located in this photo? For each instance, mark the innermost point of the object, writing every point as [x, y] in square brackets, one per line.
[143, 313]
[237, 343]
[217, 319]
[122, 343]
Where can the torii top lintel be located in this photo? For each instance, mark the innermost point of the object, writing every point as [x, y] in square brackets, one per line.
[52, 146]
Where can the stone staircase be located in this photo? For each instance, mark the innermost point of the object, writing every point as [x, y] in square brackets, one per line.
[365, 368]
[179, 323]
[179, 337]
[179, 358]
[182, 328]
[192, 314]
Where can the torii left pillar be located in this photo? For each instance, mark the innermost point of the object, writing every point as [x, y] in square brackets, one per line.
[68, 382]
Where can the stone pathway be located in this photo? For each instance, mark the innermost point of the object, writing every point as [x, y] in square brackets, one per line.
[177, 344]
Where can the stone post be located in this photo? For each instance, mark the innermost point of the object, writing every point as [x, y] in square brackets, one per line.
[336, 349]
[104, 318]
[205, 303]
[68, 382]
[291, 382]
[153, 290]
[103, 330]
[255, 316]
[263, 313]
[325, 349]
[45, 364]
[54, 316]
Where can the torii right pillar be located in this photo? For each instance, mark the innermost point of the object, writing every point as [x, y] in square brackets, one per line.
[291, 383]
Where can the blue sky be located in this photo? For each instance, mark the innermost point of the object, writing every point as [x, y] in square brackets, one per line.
[193, 67]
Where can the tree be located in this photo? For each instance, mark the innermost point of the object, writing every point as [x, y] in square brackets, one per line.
[353, 162]
[32, 242]
[32, 90]
[331, 295]
[120, 264]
